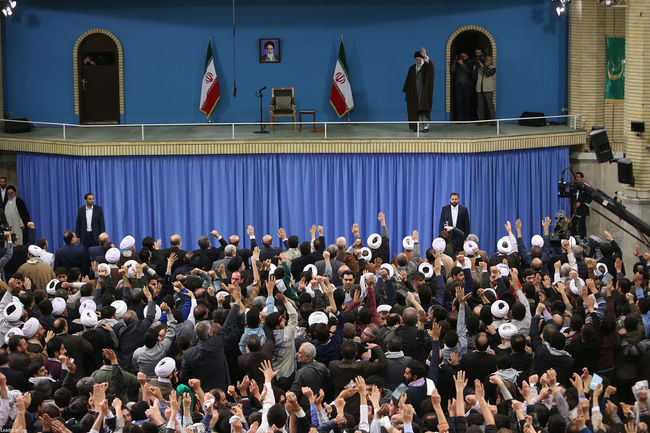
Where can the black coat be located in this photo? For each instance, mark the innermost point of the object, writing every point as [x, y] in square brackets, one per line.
[97, 223]
[71, 256]
[413, 103]
[207, 361]
[132, 336]
[462, 221]
[15, 378]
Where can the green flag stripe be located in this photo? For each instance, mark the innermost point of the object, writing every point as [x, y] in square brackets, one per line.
[344, 64]
[208, 57]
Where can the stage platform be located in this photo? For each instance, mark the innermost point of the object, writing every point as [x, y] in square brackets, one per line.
[319, 138]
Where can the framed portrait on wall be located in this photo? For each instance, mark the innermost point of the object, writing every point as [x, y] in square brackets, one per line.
[269, 50]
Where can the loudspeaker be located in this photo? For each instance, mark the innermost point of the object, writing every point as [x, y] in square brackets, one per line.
[637, 127]
[625, 174]
[14, 127]
[600, 143]
[532, 122]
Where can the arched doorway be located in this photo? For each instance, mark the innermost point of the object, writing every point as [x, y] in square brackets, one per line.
[468, 39]
[99, 94]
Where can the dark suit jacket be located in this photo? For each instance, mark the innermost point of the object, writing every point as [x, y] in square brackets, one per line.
[270, 253]
[3, 200]
[207, 361]
[462, 223]
[72, 255]
[81, 350]
[246, 254]
[132, 336]
[299, 263]
[97, 223]
[97, 253]
[15, 378]
[209, 255]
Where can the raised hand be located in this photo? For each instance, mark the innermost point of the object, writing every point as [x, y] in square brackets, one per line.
[267, 370]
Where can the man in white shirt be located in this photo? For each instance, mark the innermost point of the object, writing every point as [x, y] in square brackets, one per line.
[90, 222]
[455, 215]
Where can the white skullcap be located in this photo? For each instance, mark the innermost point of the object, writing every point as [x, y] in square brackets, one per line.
[388, 268]
[120, 308]
[87, 304]
[11, 332]
[384, 308]
[58, 306]
[51, 287]
[158, 313]
[127, 243]
[504, 270]
[408, 243]
[439, 244]
[366, 254]
[112, 255]
[104, 266]
[426, 269]
[165, 367]
[88, 318]
[13, 311]
[34, 250]
[468, 247]
[507, 330]
[317, 317]
[30, 328]
[537, 241]
[504, 246]
[500, 309]
[312, 269]
[130, 267]
[374, 241]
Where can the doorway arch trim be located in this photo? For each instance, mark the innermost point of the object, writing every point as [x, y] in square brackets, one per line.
[120, 66]
[451, 39]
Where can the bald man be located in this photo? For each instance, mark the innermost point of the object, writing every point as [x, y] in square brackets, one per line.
[175, 243]
[244, 253]
[268, 251]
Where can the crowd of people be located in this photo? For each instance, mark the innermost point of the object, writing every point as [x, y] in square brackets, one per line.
[314, 336]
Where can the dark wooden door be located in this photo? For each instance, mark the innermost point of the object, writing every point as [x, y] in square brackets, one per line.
[98, 80]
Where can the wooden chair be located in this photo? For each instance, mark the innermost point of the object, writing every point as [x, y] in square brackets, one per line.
[283, 104]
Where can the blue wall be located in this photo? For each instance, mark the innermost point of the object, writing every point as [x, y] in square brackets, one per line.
[165, 42]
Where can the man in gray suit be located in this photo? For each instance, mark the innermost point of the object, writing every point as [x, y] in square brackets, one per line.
[229, 252]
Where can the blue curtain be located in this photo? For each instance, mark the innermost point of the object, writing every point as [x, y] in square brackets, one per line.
[190, 195]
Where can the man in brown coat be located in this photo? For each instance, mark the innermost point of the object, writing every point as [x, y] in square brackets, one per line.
[39, 272]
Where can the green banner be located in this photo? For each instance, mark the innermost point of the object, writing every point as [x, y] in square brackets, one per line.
[615, 85]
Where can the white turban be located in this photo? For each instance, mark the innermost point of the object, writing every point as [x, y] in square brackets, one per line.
[58, 306]
[127, 243]
[112, 255]
[120, 308]
[30, 328]
[165, 367]
[500, 309]
[89, 318]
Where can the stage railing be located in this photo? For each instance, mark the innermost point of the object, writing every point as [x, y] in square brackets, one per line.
[571, 120]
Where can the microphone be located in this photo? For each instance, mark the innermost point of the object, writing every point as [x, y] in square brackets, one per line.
[263, 88]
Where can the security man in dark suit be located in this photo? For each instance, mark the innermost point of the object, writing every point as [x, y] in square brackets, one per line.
[455, 215]
[72, 254]
[90, 213]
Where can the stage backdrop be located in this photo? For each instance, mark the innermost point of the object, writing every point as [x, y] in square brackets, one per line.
[192, 195]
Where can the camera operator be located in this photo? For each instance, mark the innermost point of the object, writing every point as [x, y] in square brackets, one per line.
[485, 75]
[462, 70]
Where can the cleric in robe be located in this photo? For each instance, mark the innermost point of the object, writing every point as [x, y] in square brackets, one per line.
[419, 90]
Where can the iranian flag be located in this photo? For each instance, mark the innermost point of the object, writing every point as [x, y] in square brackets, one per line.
[341, 94]
[210, 85]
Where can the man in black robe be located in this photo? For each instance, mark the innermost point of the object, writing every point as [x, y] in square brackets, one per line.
[419, 90]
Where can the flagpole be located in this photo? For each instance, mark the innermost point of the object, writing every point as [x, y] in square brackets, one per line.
[210, 43]
[348, 124]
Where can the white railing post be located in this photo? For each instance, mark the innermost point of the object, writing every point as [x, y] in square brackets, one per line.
[233, 131]
[142, 131]
[64, 132]
[417, 128]
[498, 126]
[325, 129]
